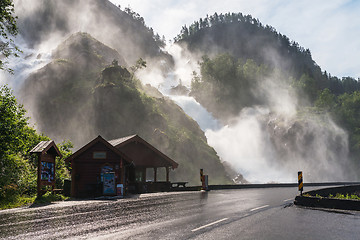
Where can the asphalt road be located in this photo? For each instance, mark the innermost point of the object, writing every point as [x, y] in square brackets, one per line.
[222, 214]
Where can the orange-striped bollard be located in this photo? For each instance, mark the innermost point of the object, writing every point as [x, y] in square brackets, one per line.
[202, 179]
[300, 182]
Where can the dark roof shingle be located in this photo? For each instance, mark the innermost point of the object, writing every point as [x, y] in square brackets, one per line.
[40, 146]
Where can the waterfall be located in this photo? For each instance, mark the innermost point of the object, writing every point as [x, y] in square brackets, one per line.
[263, 143]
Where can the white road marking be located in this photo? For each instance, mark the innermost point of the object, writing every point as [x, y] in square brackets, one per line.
[259, 208]
[288, 199]
[208, 225]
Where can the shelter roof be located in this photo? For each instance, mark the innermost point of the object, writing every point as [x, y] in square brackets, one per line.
[45, 146]
[142, 153]
[119, 141]
[93, 142]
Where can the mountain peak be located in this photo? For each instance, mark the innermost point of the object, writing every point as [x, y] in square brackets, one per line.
[82, 47]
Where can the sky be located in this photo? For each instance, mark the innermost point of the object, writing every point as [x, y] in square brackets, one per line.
[329, 28]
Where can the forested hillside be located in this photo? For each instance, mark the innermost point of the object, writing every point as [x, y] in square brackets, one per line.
[244, 62]
[244, 37]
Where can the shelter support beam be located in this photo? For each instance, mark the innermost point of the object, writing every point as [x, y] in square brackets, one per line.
[155, 174]
[167, 174]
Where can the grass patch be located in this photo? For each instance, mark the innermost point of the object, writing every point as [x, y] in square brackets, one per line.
[20, 201]
[347, 196]
[16, 201]
[337, 196]
[49, 198]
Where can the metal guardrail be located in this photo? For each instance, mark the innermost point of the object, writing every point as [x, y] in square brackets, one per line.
[266, 185]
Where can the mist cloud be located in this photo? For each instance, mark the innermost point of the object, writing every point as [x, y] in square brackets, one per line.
[329, 29]
[265, 143]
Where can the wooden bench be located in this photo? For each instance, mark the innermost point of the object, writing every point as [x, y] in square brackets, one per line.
[178, 184]
[57, 191]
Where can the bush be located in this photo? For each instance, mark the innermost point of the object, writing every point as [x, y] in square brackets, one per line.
[49, 197]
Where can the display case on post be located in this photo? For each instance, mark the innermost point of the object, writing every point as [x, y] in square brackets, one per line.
[47, 152]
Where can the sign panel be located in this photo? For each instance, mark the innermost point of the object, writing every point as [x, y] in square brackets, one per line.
[99, 155]
[47, 171]
[109, 183]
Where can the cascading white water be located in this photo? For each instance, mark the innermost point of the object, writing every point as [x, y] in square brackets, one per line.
[264, 143]
[29, 60]
[194, 109]
[251, 144]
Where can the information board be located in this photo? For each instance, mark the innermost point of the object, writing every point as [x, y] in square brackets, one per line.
[47, 171]
[109, 183]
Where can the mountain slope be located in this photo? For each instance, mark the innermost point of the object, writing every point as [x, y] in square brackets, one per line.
[48, 22]
[81, 95]
[246, 37]
[263, 87]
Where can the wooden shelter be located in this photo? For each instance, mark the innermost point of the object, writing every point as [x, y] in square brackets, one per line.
[96, 164]
[47, 152]
[144, 157]
[100, 166]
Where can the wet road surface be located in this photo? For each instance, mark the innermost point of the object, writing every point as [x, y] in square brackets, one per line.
[222, 214]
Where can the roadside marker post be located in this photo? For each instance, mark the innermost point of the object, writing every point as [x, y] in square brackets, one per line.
[206, 183]
[204, 180]
[300, 182]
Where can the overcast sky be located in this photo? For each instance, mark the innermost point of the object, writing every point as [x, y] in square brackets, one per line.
[329, 28]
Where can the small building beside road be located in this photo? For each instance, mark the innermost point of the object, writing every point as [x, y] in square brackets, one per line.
[111, 167]
[46, 152]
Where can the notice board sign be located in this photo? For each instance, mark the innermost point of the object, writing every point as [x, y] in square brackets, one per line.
[109, 183]
[47, 171]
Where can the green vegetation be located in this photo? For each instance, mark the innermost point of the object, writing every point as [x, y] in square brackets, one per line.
[94, 94]
[246, 37]
[15, 201]
[160, 42]
[337, 196]
[30, 200]
[345, 109]
[49, 198]
[158, 120]
[234, 68]
[18, 173]
[226, 84]
[347, 196]
[8, 29]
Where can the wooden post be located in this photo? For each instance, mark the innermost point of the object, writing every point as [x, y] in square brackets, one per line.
[122, 172]
[73, 179]
[143, 175]
[53, 183]
[155, 173]
[39, 175]
[167, 174]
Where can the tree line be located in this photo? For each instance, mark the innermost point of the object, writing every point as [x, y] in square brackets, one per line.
[226, 85]
[247, 38]
[160, 41]
[18, 169]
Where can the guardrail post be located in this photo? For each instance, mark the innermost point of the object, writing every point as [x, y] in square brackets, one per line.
[202, 179]
[300, 182]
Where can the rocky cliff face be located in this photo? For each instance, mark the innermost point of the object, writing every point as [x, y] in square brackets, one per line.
[84, 92]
